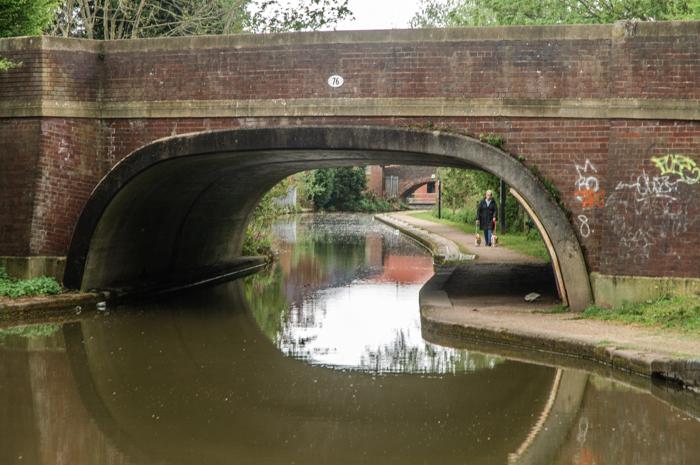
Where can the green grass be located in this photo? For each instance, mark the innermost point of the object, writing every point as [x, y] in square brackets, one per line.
[31, 331]
[10, 287]
[525, 245]
[554, 309]
[680, 312]
[518, 242]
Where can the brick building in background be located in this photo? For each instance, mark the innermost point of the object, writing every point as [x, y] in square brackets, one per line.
[413, 184]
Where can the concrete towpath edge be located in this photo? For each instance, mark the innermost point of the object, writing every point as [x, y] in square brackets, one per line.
[432, 295]
[649, 364]
[443, 250]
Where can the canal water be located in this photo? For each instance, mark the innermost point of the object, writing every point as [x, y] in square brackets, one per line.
[318, 360]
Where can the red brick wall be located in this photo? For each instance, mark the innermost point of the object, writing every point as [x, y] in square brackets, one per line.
[656, 67]
[23, 83]
[410, 176]
[72, 75]
[67, 172]
[375, 180]
[20, 151]
[576, 68]
[651, 219]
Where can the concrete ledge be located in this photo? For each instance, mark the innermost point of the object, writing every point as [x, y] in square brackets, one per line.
[685, 371]
[204, 276]
[33, 267]
[649, 364]
[685, 400]
[432, 292]
[499, 33]
[45, 308]
[28, 309]
[614, 291]
[587, 32]
[623, 108]
[443, 250]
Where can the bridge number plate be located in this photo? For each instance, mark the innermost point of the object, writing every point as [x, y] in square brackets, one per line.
[335, 81]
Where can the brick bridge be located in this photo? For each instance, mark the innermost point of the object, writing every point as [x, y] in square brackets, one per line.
[407, 180]
[140, 160]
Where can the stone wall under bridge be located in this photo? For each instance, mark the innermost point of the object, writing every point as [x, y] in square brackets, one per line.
[607, 114]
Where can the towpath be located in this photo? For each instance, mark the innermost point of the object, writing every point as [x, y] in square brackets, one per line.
[484, 300]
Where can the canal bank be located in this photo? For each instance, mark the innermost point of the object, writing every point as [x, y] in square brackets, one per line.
[460, 303]
[59, 306]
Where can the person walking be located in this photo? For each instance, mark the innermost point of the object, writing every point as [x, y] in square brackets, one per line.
[487, 215]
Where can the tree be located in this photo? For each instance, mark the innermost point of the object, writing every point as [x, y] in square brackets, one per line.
[24, 18]
[124, 19]
[322, 185]
[338, 188]
[459, 188]
[462, 188]
[257, 238]
[348, 186]
[450, 13]
[270, 16]
[131, 19]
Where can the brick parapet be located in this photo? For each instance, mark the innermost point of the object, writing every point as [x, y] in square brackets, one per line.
[545, 68]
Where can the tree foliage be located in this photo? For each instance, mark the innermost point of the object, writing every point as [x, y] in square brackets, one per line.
[257, 240]
[125, 19]
[130, 19]
[463, 189]
[272, 16]
[338, 188]
[451, 13]
[25, 17]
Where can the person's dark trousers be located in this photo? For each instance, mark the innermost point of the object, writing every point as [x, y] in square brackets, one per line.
[487, 235]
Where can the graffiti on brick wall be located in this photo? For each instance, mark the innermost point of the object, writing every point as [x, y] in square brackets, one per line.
[654, 210]
[588, 193]
[684, 167]
[647, 187]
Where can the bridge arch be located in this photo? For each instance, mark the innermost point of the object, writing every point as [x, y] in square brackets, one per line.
[407, 191]
[183, 202]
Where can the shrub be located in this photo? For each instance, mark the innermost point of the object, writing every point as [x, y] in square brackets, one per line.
[13, 288]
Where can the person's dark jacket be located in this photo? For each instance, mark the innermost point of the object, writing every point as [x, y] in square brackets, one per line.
[486, 214]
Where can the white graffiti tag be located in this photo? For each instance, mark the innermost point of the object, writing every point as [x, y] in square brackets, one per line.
[588, 193]
[639, 241]
[586, 182]
[585, 228]
[647, 187]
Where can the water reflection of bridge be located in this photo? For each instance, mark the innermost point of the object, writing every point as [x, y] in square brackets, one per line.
[206, 387]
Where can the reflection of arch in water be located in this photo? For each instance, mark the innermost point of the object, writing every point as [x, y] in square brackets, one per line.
[555, 422]
[210, 406]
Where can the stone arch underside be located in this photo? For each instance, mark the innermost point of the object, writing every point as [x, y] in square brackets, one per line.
[182, 203]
